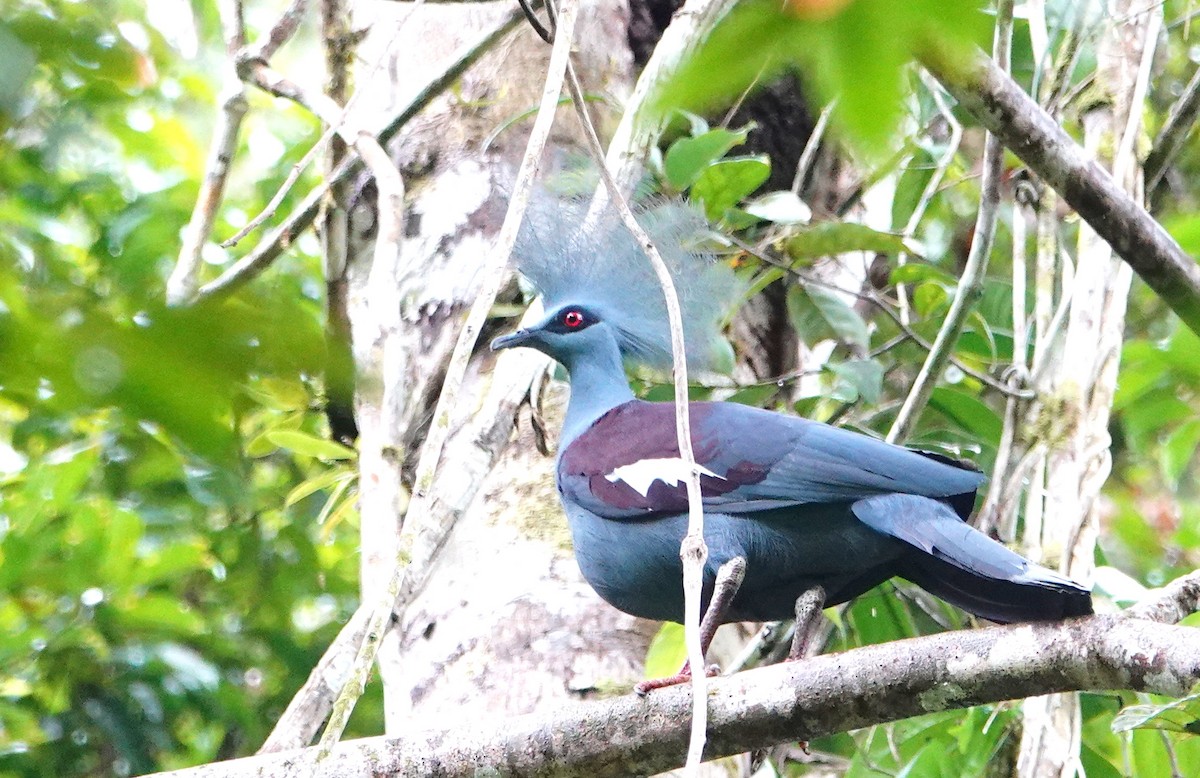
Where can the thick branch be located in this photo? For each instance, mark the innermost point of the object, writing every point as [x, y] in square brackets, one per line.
[1000, 105]
[792, 701]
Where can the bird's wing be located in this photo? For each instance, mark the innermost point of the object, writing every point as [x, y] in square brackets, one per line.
[628, 464]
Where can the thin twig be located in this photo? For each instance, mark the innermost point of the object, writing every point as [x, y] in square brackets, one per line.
[420, 541]
[184, 278]
[809, 155]
[693, 551]
[330, 131]
[292, 177]
[874, 299]
[993, 98]
[280, 33]
[934, 182]
[970, 285]
[271, 247]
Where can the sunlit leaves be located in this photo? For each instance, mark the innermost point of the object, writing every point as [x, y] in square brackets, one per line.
[688, 157]
[149, 572]
[724, 184]
[667, 651]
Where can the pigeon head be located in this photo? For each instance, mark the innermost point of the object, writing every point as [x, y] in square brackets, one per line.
[601, 292]
[566, 334]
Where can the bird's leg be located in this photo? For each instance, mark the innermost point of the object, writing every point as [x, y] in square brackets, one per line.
[729, 579]
[808, 616]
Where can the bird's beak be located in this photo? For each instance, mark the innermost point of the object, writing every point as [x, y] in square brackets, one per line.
[518, 338]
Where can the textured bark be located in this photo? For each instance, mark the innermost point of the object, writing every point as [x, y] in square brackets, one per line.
[800, 700]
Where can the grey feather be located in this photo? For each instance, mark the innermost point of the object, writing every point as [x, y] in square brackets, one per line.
[605, 269]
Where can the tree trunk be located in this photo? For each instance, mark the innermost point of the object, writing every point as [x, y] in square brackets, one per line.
[506, 624]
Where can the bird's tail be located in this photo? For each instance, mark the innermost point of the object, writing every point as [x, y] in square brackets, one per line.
[960, 564]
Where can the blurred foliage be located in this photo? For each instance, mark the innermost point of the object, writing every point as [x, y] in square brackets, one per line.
[160, 600]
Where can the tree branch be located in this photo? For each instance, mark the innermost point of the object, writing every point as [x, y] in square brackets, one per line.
[792, 701]
[1000, 105]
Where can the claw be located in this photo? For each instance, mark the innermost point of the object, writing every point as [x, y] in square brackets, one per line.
[642, 688]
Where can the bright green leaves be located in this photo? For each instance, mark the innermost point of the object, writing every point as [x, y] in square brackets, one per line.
[1158, 419]
[688, 157]
[724, 184]
[667, 651]
[698, 164]
[307, 445]
[857, 56]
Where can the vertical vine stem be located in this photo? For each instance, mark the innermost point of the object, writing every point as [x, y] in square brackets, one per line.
[422, 536]
[970, 285]
[694, 551]
[184, 278]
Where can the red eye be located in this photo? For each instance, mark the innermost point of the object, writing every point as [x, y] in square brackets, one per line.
[572, 319]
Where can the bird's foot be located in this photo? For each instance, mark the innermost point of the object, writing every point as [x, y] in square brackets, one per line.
[642, 688]
[808, 622]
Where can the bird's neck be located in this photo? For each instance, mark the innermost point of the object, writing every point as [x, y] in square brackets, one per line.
[598, 384]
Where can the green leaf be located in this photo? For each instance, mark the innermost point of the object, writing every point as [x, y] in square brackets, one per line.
[1095, 765]
[879, 616]
[307, 445]
[863, 377]
[1186, 230]
[917, 272]
[320, 481]
[1179, 449]
[829, 239]
[911, 186]
[281, 394]
[162, 614]
[753, 395]
[724, 184]
[1182, 351]
[687, 158]
[818, 314]
[969, 412]
[856, 53]
[667, 651]
[929, 300]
